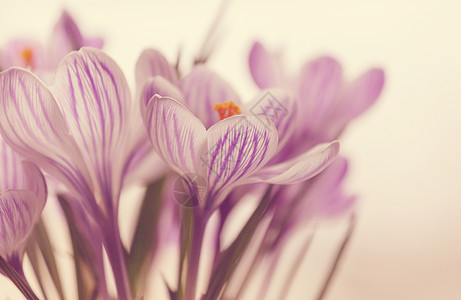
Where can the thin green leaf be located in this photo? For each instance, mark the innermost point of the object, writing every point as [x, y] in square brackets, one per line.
[19, 281]
[230, 257]
[143, 246]
[86, 274]
[42, 242]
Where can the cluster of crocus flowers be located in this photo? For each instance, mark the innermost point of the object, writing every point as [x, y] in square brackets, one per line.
[88, 133]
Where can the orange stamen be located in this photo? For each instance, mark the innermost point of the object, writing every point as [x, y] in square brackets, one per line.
[227, 109]
[27, 55]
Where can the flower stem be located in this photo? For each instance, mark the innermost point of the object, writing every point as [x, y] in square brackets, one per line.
[194, 257]
[338, 257]
[116, 256]
[18, 278]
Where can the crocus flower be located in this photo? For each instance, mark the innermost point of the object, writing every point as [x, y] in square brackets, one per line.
[43, 59]
[22, 198]
[78, 131]
[232, 152]
[326, 101]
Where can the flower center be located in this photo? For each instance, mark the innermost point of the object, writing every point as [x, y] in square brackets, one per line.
[227, 109]
[27, 56]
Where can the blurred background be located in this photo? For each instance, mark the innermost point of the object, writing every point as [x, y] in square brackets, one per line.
[405, 151]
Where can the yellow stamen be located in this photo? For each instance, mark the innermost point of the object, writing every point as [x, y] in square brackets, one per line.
[227, 109]
[27, 55]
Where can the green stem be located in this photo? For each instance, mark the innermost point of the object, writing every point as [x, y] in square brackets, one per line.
[18, 279]
[338, 257]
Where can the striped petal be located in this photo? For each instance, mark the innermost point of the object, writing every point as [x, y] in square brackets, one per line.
[278, 106]
[237, 147]
[176, 134]
[20, 209]
[299, 168]
[152, 63]
[95, 100]
[33, 125]
[264, 67]
[203, 88]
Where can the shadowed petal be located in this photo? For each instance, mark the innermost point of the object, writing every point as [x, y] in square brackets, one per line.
[264, 67]
[237, 147]
[65, 38]
[176, 134]
[20, 209]
[152, 63]
[32, 124]
[96, 102]
[361, 94]
[280, 107]
[319, 84]
[301, 167]
[159, 86]
[17, 219]
[203, 88]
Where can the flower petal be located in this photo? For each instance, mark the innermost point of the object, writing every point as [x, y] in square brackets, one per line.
[176, 134]
[361, 94]
[237, 147]
[202, 88]
[264, 67]
[32, 124]
[320, 82]
[95, 100]
[278, 106]
[153, 63]
[159, 86]
[20, 210]
[301, 167]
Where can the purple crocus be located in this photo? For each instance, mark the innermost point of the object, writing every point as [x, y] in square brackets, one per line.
[326, 101]
[232, 152]
[79, 131]
[43, 59]
[22, 198]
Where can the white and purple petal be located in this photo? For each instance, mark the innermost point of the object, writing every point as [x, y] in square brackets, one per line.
[33, 125]
[95, 100]
[299, 168]
[237, 148]
[280, 107]
[20, 209]
[176, 134]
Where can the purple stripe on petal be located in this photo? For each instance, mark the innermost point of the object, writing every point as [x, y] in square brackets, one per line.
[175, 133]
[32, 124]
[95, 99]
[18, 215]
[237, 147]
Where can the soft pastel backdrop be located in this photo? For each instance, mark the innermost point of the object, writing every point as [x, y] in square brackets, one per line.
[405, 151]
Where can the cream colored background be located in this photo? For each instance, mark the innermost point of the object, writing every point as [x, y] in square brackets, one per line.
[405, 152]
